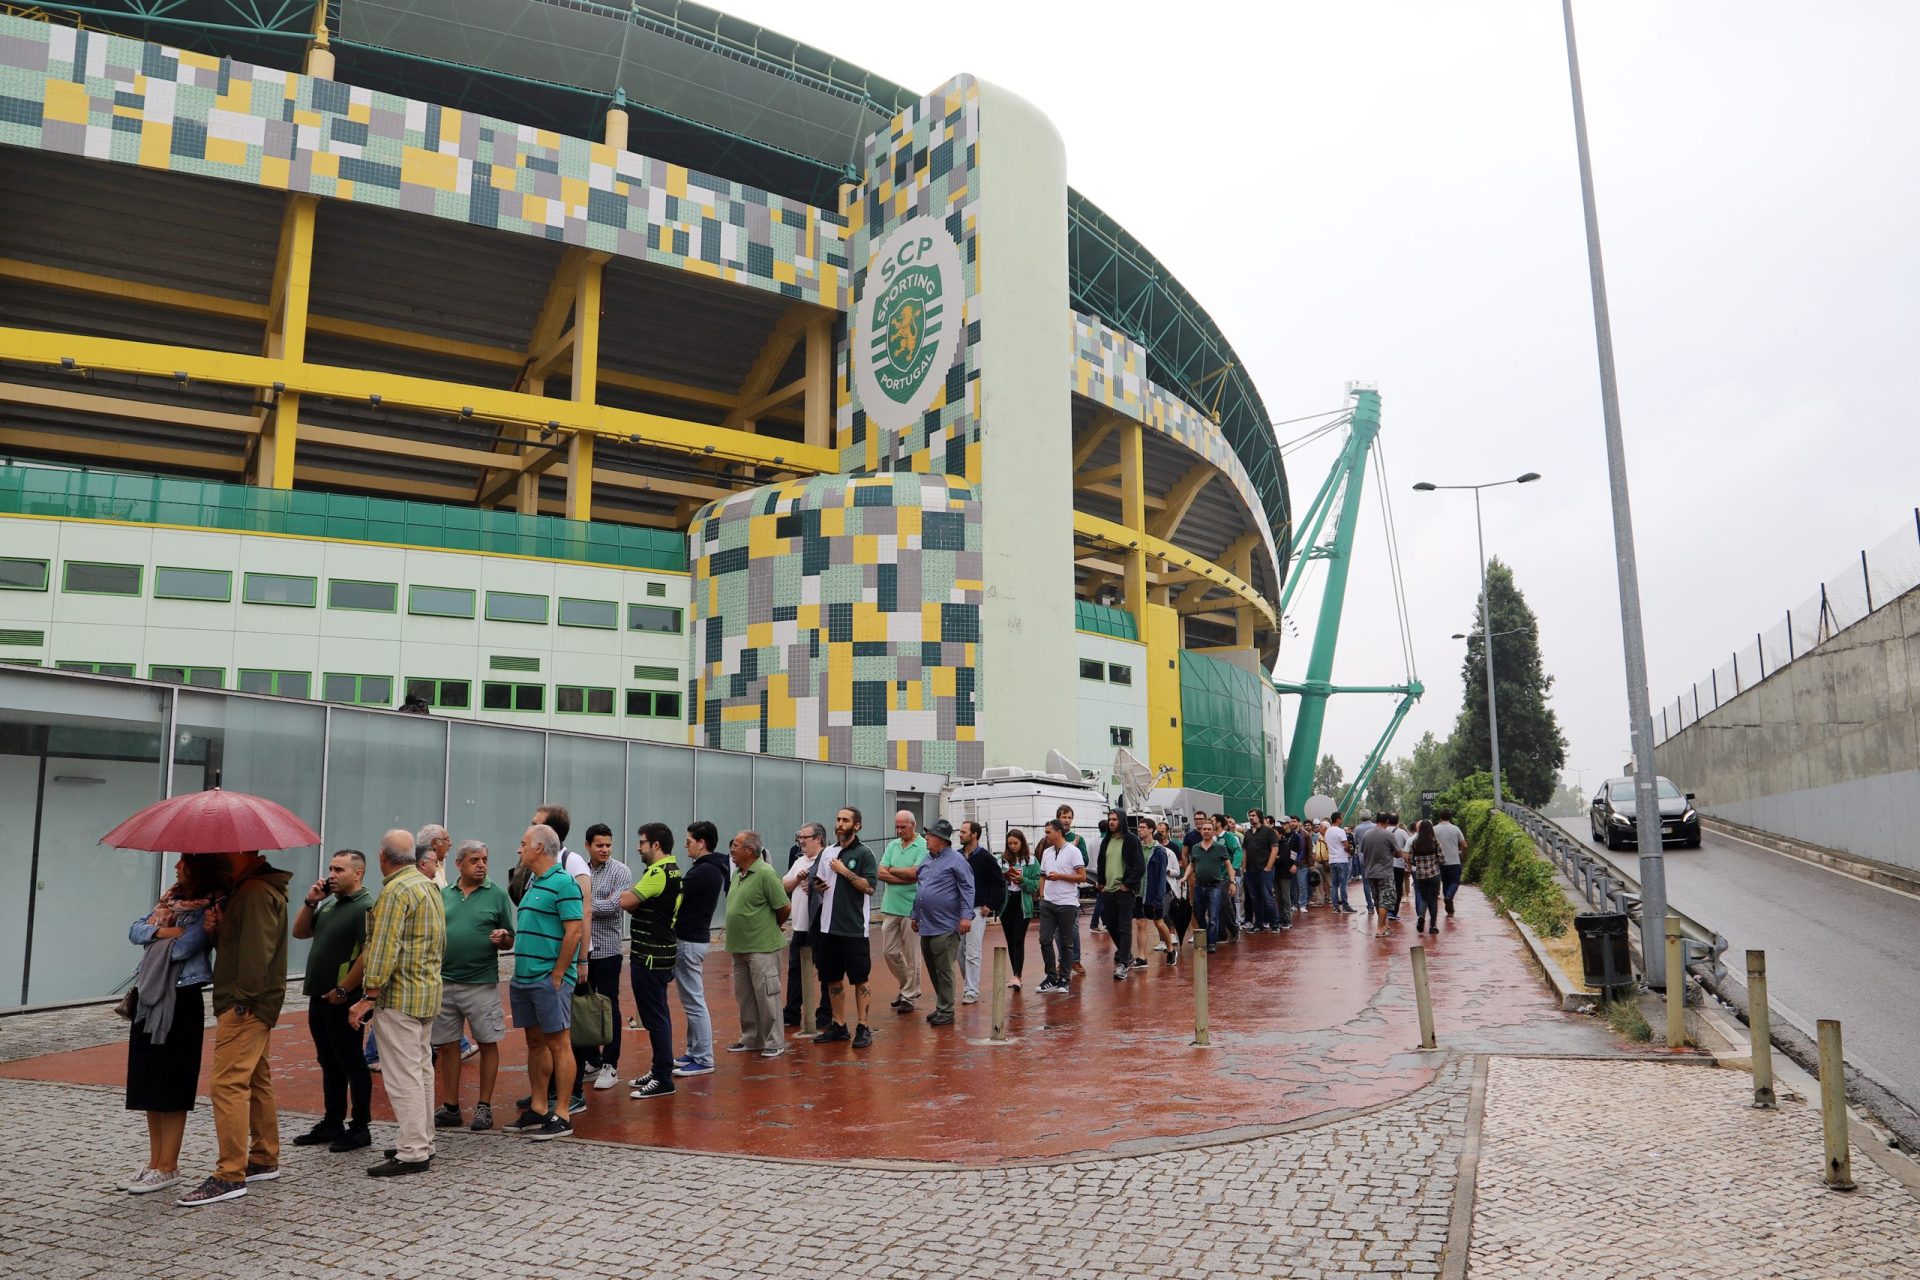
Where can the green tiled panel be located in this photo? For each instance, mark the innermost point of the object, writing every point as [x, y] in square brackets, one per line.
[1223, 738]
[205, 504]
[1104, 620]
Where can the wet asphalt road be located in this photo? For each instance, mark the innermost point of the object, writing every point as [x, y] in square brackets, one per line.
[1836, 947]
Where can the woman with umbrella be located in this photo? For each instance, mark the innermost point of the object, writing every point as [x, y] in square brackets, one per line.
[169, 1010]
[249, 968]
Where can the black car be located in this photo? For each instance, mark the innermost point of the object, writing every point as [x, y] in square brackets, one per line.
[1612, 815]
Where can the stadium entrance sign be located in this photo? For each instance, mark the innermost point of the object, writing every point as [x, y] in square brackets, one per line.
[909, 320]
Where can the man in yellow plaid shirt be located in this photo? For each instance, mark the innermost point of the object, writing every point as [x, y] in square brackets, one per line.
[406, 943]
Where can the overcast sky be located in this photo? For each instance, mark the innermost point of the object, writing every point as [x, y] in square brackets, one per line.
[1388, 192]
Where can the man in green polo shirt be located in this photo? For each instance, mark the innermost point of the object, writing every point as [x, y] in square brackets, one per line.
[479, 928]
[756, 908]
[1210, 879]
[900, 873]
[334, 915]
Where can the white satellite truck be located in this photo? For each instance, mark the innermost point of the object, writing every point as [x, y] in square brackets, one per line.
[1007, 798]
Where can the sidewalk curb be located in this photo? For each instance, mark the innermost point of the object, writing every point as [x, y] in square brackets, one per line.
[1572, 999]
[1459, 1246]
[1847, 864]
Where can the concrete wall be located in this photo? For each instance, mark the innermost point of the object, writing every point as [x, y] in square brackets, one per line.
[1826, 749]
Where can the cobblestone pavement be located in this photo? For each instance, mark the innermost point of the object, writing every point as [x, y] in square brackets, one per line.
[1369, 1194]
[1680, 1177]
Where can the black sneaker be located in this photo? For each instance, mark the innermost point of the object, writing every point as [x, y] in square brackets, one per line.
[1138, 963]
[554, 1126]
[352, 1138]
[862, 1038]
[482, 1117]
[212, 1191]
[653, 1088]
[898, 1003]
[576, 1104]
[528, 1121]
[321, 1134]
[447, 1116]
[937, 1019]
[1173, 956]
[526, 1103]
[395, 1168]
[832, 1035]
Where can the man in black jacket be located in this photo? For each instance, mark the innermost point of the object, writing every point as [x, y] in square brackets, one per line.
[1260, 843]
[989, 897]
[1119, 867]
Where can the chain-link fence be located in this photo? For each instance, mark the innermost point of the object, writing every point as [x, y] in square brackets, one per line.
[1879, 576]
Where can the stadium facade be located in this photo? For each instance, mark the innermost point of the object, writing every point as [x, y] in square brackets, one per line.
[626, 371]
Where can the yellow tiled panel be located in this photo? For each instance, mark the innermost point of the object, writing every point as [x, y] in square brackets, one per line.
[839, 677]
[156, 145]
[943, 682]
[275, 172]
[909, 518]
[780, 708]
[676, 180]
[239, 96]
[914, 699]
[343, 191]
[360, 112]
[573, 191]
[533, 208]
[504, 177]
[429, 169]
[749, 714]
[807, 617]
[963, 733]
[866, 548]
[900, 755]
[546, 138]
[929, 619]
[759, 635]
[449, 125]
[312, 119]
[833, 520]
[783, 273]
[227, 151]
[66, 102]
[868, 622]
[761, 538]
[205, 62]
[326, 164]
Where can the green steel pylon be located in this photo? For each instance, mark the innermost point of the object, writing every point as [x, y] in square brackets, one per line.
[1342, 488]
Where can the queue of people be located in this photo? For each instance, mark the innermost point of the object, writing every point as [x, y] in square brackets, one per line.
[419, 965]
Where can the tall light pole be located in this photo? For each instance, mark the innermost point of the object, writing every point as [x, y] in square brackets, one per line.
[1486, 616]
[1653, 871]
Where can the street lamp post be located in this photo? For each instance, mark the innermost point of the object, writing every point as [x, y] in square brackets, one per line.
[1653, 870]
[1486, 615]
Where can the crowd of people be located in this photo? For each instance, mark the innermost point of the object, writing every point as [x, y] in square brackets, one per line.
[417, 967]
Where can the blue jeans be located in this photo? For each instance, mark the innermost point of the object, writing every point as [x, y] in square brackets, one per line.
[1265, 911]
[1337, 885]
[1210, 904]
[1366, 890]
[1302, 887]
[689, 974]
[1450, 877]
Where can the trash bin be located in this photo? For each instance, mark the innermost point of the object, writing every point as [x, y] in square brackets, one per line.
[1605, 961]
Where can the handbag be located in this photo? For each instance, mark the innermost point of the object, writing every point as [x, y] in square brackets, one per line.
[592, 1018]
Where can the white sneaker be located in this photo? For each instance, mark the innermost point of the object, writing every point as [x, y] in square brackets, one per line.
[970, 997]
[148, 1181]
[606, 1078]
[1159, 946]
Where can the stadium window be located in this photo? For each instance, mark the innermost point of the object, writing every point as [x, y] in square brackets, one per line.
[1118, 674]
[87, 578]
[574, 700]
[1091, 670]
[365, 597]
[22, 575]
[603, 615]
[499, 696]
[653, 704]
[511, 606]
[98, 668]
[440, 602]
[1120, 735]
[361, 691]
[653, 617]
[198, 677]
[215, 585]
[446, 695]
[281, 684]
[279, 588]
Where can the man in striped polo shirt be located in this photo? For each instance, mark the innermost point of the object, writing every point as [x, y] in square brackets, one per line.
[550, 924]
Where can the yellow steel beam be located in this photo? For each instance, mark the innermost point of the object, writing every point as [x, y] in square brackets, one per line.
[1133, 514]
[106, 286]
[787, 330]
[286, 339]
[1096, 436]
[398, 447]
[585, 387]
[1110, 489]
[774, 399]
[1121, 538]
[431, 395]
[523, 473]
[107, 406]
[1180, 499]
[1236, 552]
[1099, 475]
[62, 445]
[818, 408]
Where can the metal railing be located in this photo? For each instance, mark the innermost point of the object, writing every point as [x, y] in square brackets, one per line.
[1606, 887]
[1878, 577]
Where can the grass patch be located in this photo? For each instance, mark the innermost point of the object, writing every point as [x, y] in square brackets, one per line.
[1502, 860]
[1625, 1018]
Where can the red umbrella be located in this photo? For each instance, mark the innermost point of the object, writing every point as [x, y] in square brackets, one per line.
[213, 821]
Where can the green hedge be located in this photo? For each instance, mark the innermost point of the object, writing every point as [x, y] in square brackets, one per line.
[1501, 859]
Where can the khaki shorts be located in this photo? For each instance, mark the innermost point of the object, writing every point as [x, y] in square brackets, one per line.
[475, 1004]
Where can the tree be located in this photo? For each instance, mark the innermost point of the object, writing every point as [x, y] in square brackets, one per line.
[1384, 789]
[1532, 748]
[1428, 769]
[1567, 802]
[1329, 779]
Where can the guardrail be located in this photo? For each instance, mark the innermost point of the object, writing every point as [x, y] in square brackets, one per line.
[1605, 887]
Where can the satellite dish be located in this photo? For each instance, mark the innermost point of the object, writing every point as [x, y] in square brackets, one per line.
[1320, 808]
[1060, 767]
[1135, 779]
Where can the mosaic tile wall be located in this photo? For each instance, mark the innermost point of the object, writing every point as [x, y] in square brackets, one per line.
[838, 618]
[1110, 368]
[87, 94]
[925, 162]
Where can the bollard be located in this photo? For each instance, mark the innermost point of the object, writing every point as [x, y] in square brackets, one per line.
[1760, 1030]
[1200, 996]
[999, 1034]
[809, 986]
[1676, 986]
[1423, 997]
[1833, 1107]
